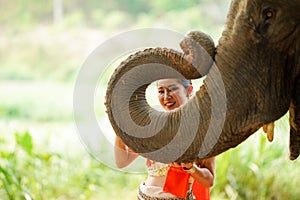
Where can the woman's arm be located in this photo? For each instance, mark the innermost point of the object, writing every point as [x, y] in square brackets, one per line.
[205, 174]
[123, 155]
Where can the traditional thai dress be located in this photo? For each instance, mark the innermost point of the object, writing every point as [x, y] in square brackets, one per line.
[175, 181]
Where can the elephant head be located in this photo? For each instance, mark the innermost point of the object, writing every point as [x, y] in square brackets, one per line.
[254, 80]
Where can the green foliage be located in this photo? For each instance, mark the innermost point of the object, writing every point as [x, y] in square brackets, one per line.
[33, 47]
[133, 7]
[22, 14]
[29, 172]
[37, 101]
[168, 5]
[115, 20]
[36, 56]
[25, 141]
[257, 170]
[12, 166]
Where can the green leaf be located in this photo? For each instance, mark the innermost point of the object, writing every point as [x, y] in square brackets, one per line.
[7, 182]
[25, 141]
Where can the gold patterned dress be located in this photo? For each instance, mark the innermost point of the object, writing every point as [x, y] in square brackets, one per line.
[155, 192]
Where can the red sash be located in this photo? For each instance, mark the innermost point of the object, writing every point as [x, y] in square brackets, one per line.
[177, 182]
[200, 192]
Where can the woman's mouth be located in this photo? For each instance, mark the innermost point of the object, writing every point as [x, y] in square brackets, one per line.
[170, 104]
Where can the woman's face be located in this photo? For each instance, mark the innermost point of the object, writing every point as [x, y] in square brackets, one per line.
[171, 93]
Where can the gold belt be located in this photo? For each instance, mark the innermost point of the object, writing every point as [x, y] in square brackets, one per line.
[189, 196]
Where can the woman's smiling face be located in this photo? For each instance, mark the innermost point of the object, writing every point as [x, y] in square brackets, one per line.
[171, 93]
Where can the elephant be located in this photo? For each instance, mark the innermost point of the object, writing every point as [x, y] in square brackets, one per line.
[252, 78]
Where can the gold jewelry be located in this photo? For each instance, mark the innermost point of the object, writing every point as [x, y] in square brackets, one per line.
[190, 170]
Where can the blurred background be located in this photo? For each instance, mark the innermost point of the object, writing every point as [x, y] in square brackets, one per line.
[43, 45]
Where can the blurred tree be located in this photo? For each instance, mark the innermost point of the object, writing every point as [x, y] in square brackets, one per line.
[134, 7]
[26, 13]
[57, 11]
[168, 5]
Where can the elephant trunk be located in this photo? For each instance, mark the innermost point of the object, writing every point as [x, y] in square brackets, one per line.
[137, 123]
[247, 86]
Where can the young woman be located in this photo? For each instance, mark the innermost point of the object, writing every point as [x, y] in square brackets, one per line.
[159, 185]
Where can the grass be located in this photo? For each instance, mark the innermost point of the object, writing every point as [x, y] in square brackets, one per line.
[37, 101]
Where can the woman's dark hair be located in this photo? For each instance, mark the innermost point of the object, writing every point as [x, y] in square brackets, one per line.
[186, 83]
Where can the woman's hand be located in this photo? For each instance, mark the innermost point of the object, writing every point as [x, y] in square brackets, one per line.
[185, 166]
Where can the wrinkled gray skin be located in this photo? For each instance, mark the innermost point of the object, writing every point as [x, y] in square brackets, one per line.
[258, 60]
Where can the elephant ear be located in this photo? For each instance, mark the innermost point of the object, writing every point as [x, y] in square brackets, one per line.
[125, 95]
[294, 109]
[295, 122]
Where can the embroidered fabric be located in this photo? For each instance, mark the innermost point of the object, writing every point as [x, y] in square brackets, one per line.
[156, 193]
[158, 169]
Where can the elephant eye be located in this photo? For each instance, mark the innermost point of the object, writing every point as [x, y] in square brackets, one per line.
[268, 14]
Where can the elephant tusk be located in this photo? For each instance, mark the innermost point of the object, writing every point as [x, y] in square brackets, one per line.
[269, 130]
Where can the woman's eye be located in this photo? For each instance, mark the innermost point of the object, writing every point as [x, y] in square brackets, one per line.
[173, 89]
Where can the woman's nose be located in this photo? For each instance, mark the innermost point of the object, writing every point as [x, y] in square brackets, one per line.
[167, 95]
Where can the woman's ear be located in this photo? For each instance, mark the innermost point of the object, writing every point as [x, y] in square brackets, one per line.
[189, 90]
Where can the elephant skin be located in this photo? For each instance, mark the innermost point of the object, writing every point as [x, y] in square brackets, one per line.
[256, 70]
